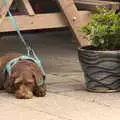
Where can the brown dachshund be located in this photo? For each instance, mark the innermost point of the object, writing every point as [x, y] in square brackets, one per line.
[26, 78]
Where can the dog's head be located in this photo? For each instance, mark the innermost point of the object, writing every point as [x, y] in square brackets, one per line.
[24, 85]
[27, 83]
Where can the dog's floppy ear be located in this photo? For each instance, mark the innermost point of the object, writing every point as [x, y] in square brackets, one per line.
[40, 87]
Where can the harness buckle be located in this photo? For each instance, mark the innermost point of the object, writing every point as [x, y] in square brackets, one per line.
[29, 51]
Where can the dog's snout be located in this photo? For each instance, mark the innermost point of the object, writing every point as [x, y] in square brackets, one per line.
[24, 93]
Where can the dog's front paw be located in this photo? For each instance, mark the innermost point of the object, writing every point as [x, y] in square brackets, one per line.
[40, 91]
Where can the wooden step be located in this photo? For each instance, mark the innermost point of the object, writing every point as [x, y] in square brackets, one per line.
[91, 4]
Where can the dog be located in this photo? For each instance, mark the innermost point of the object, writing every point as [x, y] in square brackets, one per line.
[26, 78]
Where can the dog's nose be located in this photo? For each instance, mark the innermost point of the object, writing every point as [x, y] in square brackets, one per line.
[24, 96]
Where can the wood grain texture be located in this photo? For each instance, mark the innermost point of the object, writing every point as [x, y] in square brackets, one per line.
[71, 15]
[40, 21]
[28, 7]
[4, 9]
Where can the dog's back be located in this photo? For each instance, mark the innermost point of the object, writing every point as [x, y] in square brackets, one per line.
[3, 61]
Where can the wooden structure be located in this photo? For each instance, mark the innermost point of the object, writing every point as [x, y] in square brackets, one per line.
[91, 4]
[70, 16]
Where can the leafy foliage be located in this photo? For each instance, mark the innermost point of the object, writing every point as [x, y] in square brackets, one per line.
[104, 29]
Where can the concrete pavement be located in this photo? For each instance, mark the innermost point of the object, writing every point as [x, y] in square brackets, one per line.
[67, 98]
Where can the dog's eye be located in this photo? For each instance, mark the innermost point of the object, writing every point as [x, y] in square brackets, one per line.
[29, 83]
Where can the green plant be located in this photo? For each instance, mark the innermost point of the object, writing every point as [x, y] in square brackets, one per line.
[104, 29]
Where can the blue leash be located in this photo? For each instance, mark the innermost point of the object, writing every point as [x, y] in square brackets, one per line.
[16, 27]
[14, 23]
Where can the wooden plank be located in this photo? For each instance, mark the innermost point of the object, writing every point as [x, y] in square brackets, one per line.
[91, 4]
[28, 7]
[70, 12]
[4, 9]
[88, 6]
[41, 21]
[111, 5]
[99, 1]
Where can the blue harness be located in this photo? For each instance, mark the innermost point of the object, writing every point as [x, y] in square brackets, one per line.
[11, 63]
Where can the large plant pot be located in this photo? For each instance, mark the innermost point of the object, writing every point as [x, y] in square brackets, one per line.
[101, 69]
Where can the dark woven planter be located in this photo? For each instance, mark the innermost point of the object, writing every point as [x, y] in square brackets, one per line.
[101, 69]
